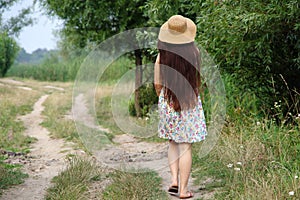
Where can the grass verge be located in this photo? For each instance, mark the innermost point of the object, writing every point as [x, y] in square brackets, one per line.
[134, 186]
[254, 158]
[57, 106]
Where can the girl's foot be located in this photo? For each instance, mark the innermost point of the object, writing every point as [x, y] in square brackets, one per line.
[187, 195]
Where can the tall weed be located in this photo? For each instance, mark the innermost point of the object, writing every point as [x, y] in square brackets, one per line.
[257, 155]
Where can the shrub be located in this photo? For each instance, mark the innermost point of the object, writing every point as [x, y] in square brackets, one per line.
[147, 99]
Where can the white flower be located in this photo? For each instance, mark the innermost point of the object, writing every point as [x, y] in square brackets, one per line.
[241, 146]
[299, 115]
[229, 165]
[239, 163]
[258, 123]
[237, 169]
[146, 118]
[291, 193]
[296, 177]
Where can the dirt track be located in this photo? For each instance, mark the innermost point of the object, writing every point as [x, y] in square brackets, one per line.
[47, 155]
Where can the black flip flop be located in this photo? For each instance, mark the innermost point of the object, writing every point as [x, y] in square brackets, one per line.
[173, 190]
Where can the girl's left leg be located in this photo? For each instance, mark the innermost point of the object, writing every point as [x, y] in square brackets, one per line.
[173, 157]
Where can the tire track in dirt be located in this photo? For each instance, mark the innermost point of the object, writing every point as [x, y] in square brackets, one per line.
[46, 159]
[130, 152]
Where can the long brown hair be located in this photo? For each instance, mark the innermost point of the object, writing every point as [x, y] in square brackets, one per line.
[180, 74]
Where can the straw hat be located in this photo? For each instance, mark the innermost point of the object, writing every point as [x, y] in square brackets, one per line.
[177, 30]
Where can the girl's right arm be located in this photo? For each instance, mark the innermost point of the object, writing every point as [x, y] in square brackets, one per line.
[157, 77]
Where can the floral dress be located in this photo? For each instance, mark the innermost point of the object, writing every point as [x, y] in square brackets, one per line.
[187, 126]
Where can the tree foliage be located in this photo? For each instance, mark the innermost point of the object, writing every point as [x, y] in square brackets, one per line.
[94, 21]
[9, 28]
[90, 22]
[257, 42]
[14, 25]
[8, 51]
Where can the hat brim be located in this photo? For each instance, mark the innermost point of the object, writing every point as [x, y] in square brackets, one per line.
[174, 37]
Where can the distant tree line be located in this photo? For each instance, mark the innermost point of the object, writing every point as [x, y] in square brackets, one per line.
[36, 57]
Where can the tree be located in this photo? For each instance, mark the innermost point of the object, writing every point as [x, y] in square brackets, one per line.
[90, 21]
[8, 52]
[8, 29]
[257, 42]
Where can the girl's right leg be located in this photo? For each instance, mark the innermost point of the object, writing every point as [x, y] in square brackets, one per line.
[185, 165]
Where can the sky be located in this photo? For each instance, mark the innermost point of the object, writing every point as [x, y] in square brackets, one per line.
[41, 33]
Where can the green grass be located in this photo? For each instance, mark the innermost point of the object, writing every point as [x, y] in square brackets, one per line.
[56, 69]
[134, 186]
[10, 175]
[267, 169]
[104, 113]
[52, 69]
[264, 154]
[57, 106]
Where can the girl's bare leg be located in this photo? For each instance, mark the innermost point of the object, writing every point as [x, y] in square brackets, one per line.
[173, 157]
[185, 165]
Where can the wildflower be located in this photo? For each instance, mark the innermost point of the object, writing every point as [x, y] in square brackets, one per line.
[291, 193]
[146, 118]
[229, 165]
[239, 163]
[276, 105]
[296, 177]
[241, 146]
[237, 169]
[258, 123]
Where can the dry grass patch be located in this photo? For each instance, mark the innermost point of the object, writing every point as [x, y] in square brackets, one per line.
[74, 181]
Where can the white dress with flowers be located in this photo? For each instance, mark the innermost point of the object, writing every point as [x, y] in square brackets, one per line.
[187, 126]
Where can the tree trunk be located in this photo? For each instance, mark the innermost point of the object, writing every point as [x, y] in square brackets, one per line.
[138, 80]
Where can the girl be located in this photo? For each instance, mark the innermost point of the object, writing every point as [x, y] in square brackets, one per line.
[177, 83]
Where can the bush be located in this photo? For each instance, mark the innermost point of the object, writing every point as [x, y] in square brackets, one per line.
[147, 99]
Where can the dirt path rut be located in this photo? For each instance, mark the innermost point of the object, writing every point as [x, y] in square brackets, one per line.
[46, 158]
[130, 152]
